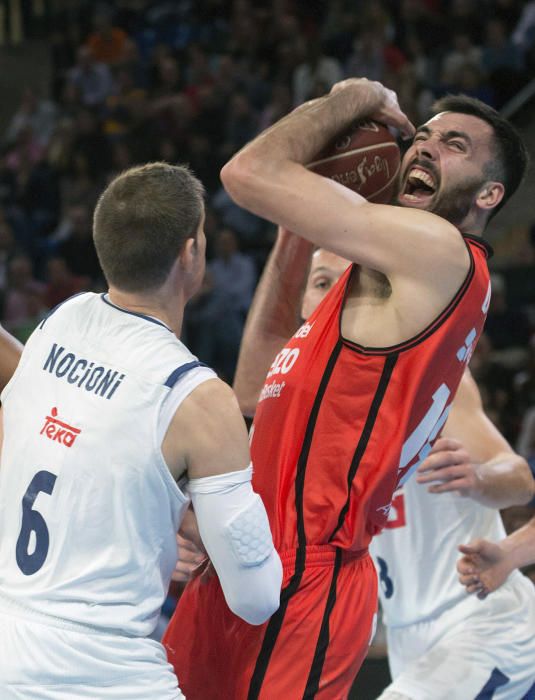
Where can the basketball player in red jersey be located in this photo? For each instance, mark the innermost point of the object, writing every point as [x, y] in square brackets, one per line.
[355, 400]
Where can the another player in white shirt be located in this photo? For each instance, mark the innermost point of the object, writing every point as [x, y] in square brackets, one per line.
[443, 644]
[110, 427]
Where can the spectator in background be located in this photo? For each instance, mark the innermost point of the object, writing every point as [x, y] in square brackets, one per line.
[7, 250]
[61, 283]
[315, 68]
[213, 328]
[466, 17]
[526, 438]
[120, 107]
[79, 184]
[107, 44]
[24, 152]
[91, 144]
[463, 55]
[502, 61]
[367, 57]
[92, 81]
[24, 299]
[77, 247]
[524, 381]
[241, 125]
[524, 32]
[38, 115]
[168, 79]
[233, 272]
[496, 385]
[279, 104]
[507, 328]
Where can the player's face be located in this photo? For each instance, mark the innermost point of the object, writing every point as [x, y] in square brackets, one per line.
[443, 170]
[325, 271]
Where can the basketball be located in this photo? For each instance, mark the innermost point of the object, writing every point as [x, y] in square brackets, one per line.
[365, 159]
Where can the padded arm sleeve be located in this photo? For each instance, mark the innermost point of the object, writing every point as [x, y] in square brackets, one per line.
[234, 528]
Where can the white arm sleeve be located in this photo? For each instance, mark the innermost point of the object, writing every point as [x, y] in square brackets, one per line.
[234, 528]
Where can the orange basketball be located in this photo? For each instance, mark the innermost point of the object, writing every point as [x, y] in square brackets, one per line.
[366, 159]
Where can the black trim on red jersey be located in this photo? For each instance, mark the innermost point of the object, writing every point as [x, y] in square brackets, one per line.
[432, 327]
[313, 681]
[388, 368]
[482, 243]
[276, 621]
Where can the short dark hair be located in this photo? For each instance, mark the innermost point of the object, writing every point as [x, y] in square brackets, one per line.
[511, 156]
[142, 221]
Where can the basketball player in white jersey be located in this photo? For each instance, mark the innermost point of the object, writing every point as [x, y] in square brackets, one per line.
[486, 565]
[443, 644]
[110, 426]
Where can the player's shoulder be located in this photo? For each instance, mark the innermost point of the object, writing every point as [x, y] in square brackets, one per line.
[68, 306]
[212, 396]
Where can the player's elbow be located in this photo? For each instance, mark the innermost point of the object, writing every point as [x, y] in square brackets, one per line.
[256, 603]
[255, 609]
[237, 178]
[246, 180]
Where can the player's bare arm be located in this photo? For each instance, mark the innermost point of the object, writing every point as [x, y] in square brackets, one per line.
[10, 352]
[274, 315]
[474, 459]
[486, 565]
[269, 177]
[216, 459]
[217, 435]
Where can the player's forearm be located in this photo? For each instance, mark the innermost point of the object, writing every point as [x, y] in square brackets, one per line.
[504, 481]
[296, 139]
[519, 546]
[231, 517]
[304, 131]
[274, 315]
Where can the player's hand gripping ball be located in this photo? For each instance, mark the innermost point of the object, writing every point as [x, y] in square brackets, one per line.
[366, 159]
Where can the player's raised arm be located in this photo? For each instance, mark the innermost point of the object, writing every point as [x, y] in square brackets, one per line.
[269, 177]
[231, 518]
[474, 459]
[274, 315]
[485, 566]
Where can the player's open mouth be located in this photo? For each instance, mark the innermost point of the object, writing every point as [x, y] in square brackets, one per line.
[420, 185]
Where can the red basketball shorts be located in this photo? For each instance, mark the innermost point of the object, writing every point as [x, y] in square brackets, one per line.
[312, 647]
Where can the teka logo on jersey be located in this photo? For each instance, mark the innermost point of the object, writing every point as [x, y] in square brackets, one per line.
[57, 430]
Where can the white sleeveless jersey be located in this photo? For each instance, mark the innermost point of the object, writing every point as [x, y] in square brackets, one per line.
[416, 554]
[88, 507]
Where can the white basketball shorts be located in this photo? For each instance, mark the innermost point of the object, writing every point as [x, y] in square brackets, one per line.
[476, 650]
[42, 658]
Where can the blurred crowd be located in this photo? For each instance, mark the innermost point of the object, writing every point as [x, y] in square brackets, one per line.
[192, 82]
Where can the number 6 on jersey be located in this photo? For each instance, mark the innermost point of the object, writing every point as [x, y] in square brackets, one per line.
[33, 521]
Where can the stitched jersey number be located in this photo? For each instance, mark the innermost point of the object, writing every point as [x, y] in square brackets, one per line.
[419, 441]
[33, 521]
[384, 578]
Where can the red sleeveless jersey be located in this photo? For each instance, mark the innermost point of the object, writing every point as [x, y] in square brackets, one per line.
[339, 426]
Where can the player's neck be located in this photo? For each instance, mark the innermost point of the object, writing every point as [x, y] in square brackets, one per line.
[169, 310]
[474, 223]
